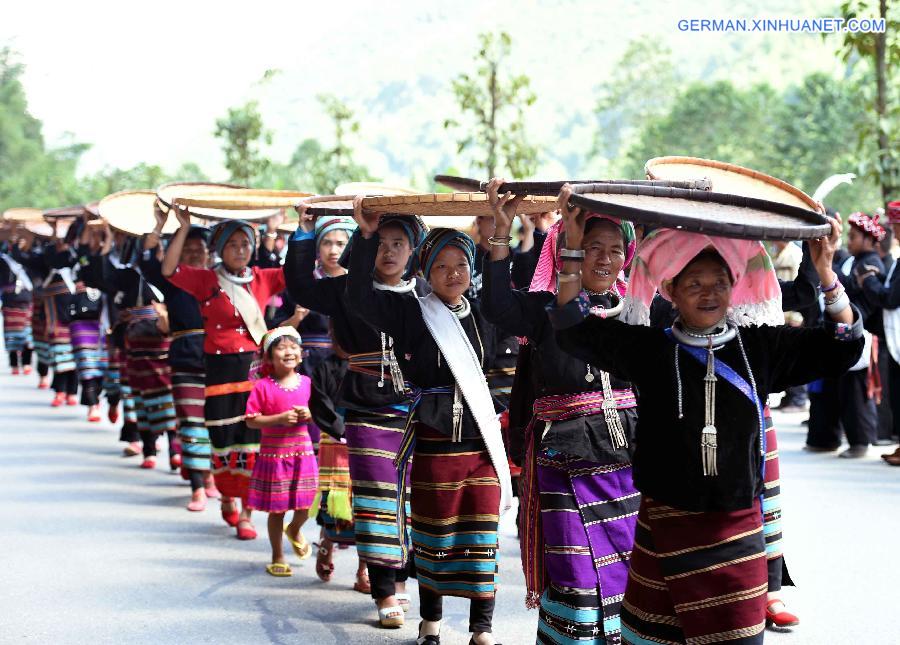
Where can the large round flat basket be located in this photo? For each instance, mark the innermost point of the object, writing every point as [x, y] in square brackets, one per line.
[551, 188]
[330, 205]
[23, 215]
[702, 211]
[451, 204]
[66, 212]
[196, 189]
[729, 178]
[131, 212]
[253, 204]
[372, 188]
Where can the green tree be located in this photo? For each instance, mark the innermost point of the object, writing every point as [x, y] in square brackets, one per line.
[493, 106]
[30, 174]
[879, 54]
[641, 87]
[243, 135]
[715, 121]
[321, 168]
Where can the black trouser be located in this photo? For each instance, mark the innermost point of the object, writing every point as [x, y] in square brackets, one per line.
[795, 396]
[885, 408]
[25, 358]
[129, 432]
[196, 477]
[858, 413]
[382, 579]
[43, 369]
[481, 610]
[90, 391]
[65, 382]
[148, 438]
[894, 393]
[825, 416]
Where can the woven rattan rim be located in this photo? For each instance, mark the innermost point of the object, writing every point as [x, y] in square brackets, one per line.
[64, 212]
[729, 167]
[461, 204]
[192, 187]
[551, 188]
[248, 199]
[809, 224]
[330, 205]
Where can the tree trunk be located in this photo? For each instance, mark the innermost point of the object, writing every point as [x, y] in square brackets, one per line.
[887, 170]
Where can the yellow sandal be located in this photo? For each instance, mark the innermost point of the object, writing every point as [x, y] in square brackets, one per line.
[302, 549]
[279, 570]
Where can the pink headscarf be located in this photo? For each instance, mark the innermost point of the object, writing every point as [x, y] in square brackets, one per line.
[755, 296]
[549, 262]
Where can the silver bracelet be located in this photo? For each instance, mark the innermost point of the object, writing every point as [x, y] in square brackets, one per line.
[841, 303]
[574, 255]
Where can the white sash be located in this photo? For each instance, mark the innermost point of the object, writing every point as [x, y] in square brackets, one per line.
[246, 306]
[892, 322]
[19, 271]
[451, 339]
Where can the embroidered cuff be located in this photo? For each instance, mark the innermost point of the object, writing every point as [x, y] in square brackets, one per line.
[571, 313]
[843, 331]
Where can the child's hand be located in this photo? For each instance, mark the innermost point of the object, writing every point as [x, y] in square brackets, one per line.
[303, 413]
[288, 418]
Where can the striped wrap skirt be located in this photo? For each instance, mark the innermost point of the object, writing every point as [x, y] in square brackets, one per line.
[188, 389]
[335, 503]
[17, 328]
[234, 445]
[149, 375]
[52, 341]
[696, 577]
[112, 374]
[373, 439]
[771, 506]
[588, 515]
[455, 512]
[88, 345]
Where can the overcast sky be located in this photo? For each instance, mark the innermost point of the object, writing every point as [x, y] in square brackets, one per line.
[147, 84]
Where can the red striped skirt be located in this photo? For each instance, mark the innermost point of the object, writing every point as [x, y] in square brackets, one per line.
[696, 577]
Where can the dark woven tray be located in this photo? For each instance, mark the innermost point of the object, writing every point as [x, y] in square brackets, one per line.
[64, 212]
[550, 188]
[702, 211]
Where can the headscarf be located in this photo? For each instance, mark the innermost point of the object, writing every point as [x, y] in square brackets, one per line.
[868, 225]
[325, 225]
[222, 231]
[755, 295]
[550, 264]
[275, 334]
[412, 225]
[893, 212]
[439, 239]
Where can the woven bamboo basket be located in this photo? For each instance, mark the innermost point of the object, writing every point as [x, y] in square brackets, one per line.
[253, 204]
[729, 178]
[451, 204]
[701, 211]
[132, 212]
[551, 188]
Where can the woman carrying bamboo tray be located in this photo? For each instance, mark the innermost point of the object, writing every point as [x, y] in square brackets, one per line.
[579, 505]
[373, 393]
[698, 570]
[460, 480]
[16, 298]
[185, 358]
[231, 298]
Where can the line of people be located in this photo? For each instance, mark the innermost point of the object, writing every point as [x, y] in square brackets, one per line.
[402, 385]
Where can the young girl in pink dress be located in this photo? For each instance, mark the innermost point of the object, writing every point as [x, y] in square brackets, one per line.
[285, 476]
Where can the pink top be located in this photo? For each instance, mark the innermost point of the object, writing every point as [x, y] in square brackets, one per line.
[267, 398]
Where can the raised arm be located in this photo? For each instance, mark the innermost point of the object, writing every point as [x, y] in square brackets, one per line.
[801, 292]
[299, 271]
[176, 244]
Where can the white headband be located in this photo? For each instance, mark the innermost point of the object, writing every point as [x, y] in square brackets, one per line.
[279, 332]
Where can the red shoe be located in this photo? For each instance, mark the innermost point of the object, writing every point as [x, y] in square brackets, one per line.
[58, 400]
[245, 532]
[231, 517]
[782, 618]
[113, 414]
[132, 450]
[148, 463]
[212, 492]
[71, 400]
[175, 461]
[198, 502]
[27, 370]
[15, 371]
[44, 383]
[94, 414]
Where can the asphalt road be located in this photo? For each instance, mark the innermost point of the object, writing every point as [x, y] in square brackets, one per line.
[95, 550]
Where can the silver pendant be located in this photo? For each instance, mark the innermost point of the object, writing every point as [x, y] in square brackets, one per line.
[589, 377]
